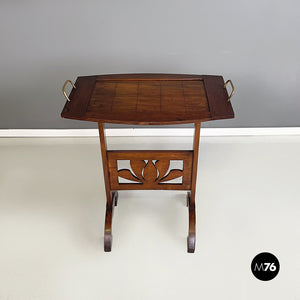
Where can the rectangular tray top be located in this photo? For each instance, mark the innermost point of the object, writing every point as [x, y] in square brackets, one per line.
[148, 99]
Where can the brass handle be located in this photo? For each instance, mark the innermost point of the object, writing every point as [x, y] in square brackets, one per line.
[232, 89]
[63, 88]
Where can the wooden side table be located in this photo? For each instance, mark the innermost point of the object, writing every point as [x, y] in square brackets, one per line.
[149, 99]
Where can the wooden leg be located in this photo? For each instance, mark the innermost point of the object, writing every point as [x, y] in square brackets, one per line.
[110, 196]
[191, 239]
[110, 204]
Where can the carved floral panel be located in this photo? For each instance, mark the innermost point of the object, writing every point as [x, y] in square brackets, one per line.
[151, 172]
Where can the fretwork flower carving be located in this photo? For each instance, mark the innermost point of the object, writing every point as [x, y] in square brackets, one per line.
[150, 172]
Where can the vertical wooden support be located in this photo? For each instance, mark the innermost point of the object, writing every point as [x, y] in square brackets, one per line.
[111, 197]
[191, 239]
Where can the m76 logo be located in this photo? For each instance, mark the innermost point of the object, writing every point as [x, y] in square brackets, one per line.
[265, 267]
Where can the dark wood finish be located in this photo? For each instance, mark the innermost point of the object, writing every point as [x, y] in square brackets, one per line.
[195, 159]
[108, 221]
[162, 166]
[215, 91]
[148, 76]
[80, 97]
[149, 180]
[191, 239]
[127, 174]
[104, 160]
[137, 166]
[173, 174]
[111, 198]
[152, 172]
[147, 99]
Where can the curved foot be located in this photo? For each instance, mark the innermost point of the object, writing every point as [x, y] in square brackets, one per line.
[191, 239]
[107, 242]
[111, 202]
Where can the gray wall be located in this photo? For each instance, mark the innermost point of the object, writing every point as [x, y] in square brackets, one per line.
[255, 43]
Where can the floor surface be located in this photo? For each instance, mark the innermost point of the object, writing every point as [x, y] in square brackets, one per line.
[52, 206]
